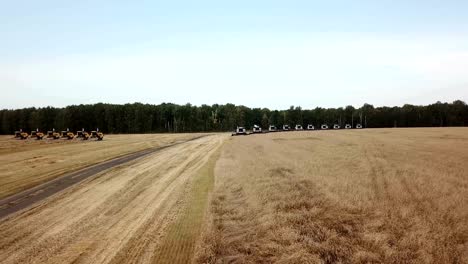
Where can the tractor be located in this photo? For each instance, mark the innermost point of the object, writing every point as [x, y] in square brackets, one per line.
[96, 134]
[36, 134]
[67, 134]
[85, 135]
[21, 135]
[52, 134]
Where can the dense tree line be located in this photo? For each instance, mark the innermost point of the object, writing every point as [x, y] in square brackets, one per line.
[147, 118]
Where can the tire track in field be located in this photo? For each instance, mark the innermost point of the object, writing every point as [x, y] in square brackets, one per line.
[119, 217]
[378, 171]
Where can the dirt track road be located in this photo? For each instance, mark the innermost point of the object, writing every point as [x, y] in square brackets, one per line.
[117, 216]
[28, 163]
[28, 197]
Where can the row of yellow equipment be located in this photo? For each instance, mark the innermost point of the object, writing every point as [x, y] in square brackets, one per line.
[56, 135]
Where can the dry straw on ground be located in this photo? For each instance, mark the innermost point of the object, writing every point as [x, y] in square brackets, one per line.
[124, 215]
[27, 163]
[349, 196]
[368, 196]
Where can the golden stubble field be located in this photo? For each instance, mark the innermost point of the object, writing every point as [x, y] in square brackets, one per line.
[26, 163]
[150, 210]
[349, 196]
[360, 196]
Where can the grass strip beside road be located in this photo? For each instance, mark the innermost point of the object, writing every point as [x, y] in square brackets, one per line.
[184, 233]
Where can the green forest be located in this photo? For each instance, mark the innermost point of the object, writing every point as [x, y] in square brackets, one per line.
[167, 117]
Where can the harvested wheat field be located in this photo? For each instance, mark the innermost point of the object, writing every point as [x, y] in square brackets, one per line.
[149, 210]
[349, 196]
[27, 163]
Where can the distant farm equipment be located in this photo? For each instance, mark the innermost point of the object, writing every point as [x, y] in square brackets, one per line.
[79, 133]
[256, 129]
[85, 135]
[20, 134]
[272, 128]
[65, 134]
[96, 134]
[52, 134]
[37, 134]
[240, 131]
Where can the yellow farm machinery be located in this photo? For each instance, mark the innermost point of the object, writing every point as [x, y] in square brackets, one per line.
[96, 134]
[37, 134]
[83, 134]
[53, 135]
[66, 134]
[21, 134]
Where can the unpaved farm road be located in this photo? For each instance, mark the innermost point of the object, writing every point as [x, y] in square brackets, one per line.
[17, 202]
[117, 216]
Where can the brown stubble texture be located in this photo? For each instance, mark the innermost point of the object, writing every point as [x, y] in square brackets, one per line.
[118, 216]
[28, 163]
[349, 196]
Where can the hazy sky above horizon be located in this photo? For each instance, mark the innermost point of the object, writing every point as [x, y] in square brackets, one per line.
[256, 53]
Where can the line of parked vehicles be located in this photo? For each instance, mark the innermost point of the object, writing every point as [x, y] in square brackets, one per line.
[257, 129]
[66, 134]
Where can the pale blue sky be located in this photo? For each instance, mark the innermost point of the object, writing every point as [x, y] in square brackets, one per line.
[257, 53]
